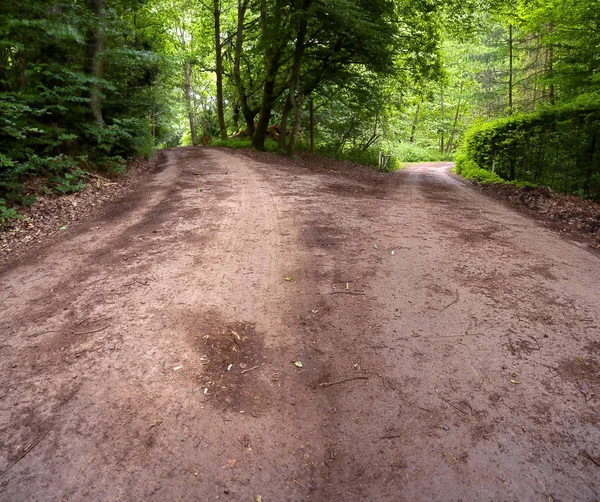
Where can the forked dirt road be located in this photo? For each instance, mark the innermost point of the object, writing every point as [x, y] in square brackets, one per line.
[449, 347]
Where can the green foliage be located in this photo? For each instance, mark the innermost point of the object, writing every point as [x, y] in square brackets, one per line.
[235, 143]
[467, 168]
[63, 109]
[558, 147]
[411, 152]
[7, 213]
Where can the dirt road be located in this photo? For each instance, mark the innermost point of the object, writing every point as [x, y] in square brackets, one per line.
[242, 326]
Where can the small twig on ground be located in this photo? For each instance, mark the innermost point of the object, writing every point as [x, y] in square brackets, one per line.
[84, 320]
[512, 349]
[249, 369]
[454, 336]
[346, 293]
[391, 437]
[32, 445]
[535, 340]
[550, 367]
[596, 461]
[315, 348]
[35, 335]
[329, 384]
[423, 409]
[456, 407]
[452, 302]
[93, 331]
[94, 282]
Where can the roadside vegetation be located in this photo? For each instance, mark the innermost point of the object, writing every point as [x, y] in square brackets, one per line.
[87, 86]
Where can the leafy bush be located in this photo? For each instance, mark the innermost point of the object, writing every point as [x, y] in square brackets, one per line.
[7, 213]
[467, 168]
[558, 147]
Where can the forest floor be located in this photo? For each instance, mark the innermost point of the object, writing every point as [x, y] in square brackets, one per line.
[242, 327]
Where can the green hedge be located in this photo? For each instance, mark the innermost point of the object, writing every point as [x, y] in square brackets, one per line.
[557, 147]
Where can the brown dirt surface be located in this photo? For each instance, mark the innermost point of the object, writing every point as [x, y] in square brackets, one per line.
[50, 213]
[574, 217]
[240, 325]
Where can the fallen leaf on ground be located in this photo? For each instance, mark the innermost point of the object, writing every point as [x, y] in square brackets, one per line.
[177, 368]
[155, 423]
[298, 364]
[288, 279]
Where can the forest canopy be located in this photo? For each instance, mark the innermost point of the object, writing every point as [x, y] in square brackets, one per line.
[86, 85]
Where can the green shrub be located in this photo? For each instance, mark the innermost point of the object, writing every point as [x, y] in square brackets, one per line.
[557, 147]
[7, 213]
[410, 152]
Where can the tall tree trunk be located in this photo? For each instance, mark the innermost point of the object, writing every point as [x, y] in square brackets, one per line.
[187, 69]
[442, 127]
[236, 117]
[268, 99]
[22, 59]
[510, 68]
[550, 57]
[271, 28]
[312, 125]
[219, 69]
[296, 101]
[456, 115]
[413, 129]
[285, 113]
[297, 120]
[242, 6]
[96, 45]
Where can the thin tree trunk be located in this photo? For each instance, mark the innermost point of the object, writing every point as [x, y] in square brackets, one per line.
[510, 68]
[22, 59]
[96, 45]
[456, 115]
[187, 68]
[236, 118]
[219, 69]
[297, 121]
[442, 128]
[312, 125]
[287, 108]
[413, 129]
[551, 66]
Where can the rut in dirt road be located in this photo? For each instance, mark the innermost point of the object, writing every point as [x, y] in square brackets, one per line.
[243, 325]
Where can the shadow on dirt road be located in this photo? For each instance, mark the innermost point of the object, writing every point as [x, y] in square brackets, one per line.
[245, 326]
